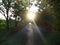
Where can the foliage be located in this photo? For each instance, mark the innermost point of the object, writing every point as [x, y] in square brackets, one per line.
[48, 18]
[4, 9]
[19, 10]
[56, 7]
[2, 25]
[52, 8]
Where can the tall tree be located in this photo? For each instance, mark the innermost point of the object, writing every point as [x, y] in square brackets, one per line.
[19, 8]
[4, 9]
[55, 5]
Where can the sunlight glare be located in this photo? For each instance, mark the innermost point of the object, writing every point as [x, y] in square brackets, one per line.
[31, 16]
[34, 8]
[34, 2]
[30, 23]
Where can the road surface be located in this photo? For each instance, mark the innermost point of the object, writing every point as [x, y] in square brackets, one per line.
[29, 35]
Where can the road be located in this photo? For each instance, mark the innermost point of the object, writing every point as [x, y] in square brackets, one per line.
[29, 35]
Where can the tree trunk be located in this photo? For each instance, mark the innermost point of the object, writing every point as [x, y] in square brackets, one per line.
[15, 21]
[7, 21]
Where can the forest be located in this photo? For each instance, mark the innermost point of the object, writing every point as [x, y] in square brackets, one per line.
[30, 22]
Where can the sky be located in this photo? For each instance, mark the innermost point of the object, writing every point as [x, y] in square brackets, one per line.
[1, 16]
[0, 0]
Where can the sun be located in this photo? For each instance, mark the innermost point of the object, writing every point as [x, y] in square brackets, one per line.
[31, 16]
[32, 10]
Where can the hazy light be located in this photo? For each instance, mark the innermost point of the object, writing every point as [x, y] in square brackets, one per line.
[0, 0]
[30, 23]
[34, 8]
[31, 12]
[27, 8]
[35, 2]
[40, 2]
[31, 16]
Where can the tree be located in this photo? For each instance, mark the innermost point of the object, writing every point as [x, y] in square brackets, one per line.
[19, 9]
[55, 5]
[5, 9]
[46, 17]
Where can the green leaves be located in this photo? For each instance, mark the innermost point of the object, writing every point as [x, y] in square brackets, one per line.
[25, 2]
